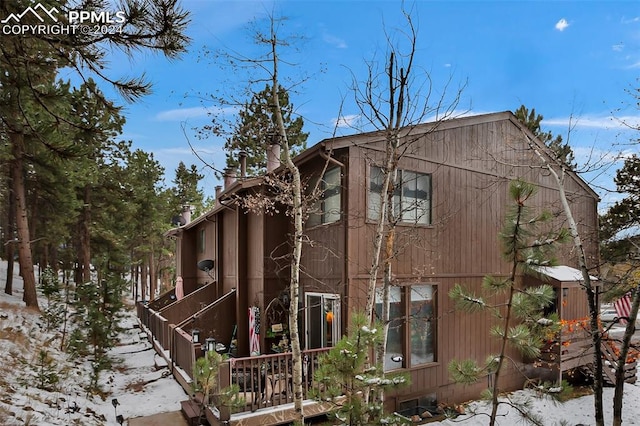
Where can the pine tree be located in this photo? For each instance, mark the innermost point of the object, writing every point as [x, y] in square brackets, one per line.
[186, 191]
[256, 130]
[521, 321]
[56, 310]
[562, 151]
[346, 370]
[619, 233]
[99, 309]
[205, 384]
[34, 108]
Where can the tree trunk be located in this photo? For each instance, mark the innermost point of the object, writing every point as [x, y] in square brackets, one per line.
[143, 279]
[495, 390]
[84, 237]
[153, 276]
[10, 241]
[618, 393]
[22, 222]
[296, 255]
[594, 327]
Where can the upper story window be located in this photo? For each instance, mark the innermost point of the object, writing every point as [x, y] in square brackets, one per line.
[327, 208]
[411, 197]
[202, 240]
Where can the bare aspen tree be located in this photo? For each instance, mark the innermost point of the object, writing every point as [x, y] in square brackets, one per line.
[297, 211]
[558, 172]
[393, 100]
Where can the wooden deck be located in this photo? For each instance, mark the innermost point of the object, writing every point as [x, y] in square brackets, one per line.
[265, 382]
[575, 350]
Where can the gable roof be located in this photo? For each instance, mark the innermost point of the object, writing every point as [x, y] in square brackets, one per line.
[467, 120]
[321, 148]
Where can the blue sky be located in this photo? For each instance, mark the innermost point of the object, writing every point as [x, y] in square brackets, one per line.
[565, 59]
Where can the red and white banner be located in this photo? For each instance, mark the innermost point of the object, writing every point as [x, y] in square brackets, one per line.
[623, 307]
[254, 331]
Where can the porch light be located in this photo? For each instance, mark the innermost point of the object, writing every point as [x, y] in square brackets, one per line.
[565, 293]
[195, 335]
[210, 344]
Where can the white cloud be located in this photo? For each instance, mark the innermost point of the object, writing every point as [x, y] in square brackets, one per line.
[345, 120]
[596, 122]
[181, 114]
[618, 47]
[334, 41]
[562, 24]
[594, 155]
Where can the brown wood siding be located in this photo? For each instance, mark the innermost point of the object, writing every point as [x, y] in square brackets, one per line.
[228, 251]
[242, 274]
[255, 259]
[323, 259]
[471, 167]
[574, 305]
[210, 249]
[186, 260]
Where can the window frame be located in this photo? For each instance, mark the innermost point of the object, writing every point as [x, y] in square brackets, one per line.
[335, 322]
[399, 198]
[202, 240]
[321, 215]
[406, 323]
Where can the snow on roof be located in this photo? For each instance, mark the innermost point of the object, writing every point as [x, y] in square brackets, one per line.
[562, 273]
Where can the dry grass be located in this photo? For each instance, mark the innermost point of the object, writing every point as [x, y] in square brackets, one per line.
[5, 415]
[137, 386]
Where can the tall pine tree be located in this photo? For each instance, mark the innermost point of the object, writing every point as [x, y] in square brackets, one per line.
[521, 322]
[256, 129]
[186, 191]
[562, 150]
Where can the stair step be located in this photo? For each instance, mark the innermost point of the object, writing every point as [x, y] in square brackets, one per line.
[191, 411]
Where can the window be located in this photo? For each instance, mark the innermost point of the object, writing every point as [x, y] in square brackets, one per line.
[396, 330]
[201, 240]
[411, 199]
[417, 406]
[323, 320]
[411, 336]
[422, 322]
[327, 208]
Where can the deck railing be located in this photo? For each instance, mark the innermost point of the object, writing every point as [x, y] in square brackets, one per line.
[178, 311]
[163, 300]
[267, 380]
[159, 327]
[184, 352]
[576, 349]
[142, 309]
[214, 320]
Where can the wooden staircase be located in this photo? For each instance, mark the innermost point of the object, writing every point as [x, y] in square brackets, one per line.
[610, 363]
[191, 411]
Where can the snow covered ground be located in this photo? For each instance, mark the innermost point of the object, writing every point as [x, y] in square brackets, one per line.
[139, 380]
[575, 412]
[142, 385]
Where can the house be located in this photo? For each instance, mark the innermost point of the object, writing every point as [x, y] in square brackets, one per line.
[452, 203]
